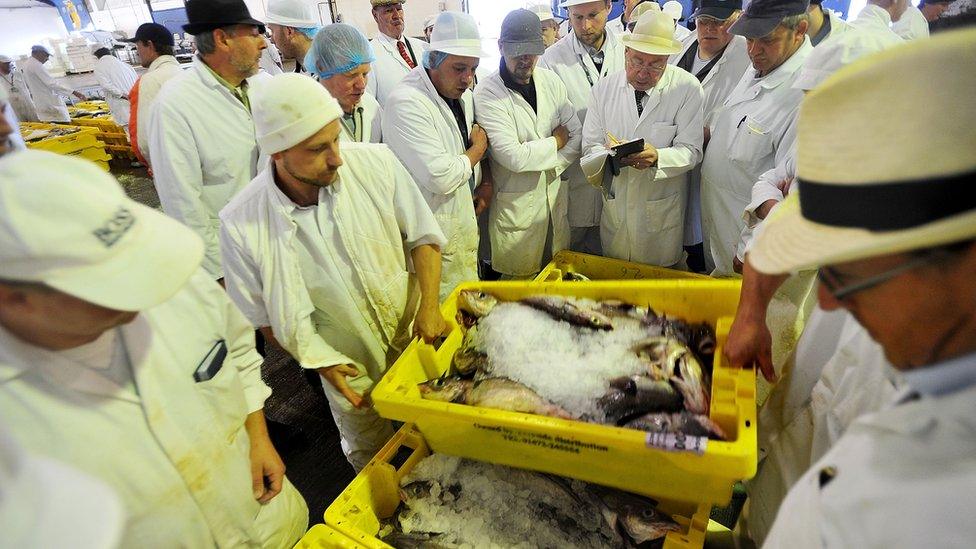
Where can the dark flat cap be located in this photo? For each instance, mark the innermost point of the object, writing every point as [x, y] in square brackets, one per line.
[761, 16]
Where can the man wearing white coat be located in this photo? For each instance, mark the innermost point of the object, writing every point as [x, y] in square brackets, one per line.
[316, 252]
[906, 274]
[581, 59]
[643, 210]
[534, 136]
[340, 56]
[45, 89]
[116, 79]
[429, 124]
[201, 136]
[12, 83]
[396, 53]
[753, 129]
[154, 44]
[878, 15]
[120, 356]
[718, 60]
[293, 25]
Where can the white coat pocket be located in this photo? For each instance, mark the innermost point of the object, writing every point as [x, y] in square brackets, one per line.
[224, 394]
[662, 135]
[663, 231]
[752, 143]
[514, 211]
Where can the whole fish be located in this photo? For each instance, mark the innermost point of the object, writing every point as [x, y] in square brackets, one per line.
[504, 394]
[688, 378]
[475, 303]
[570, 276]
[637, 395]
[696, 425]
[567, 310]
[654, 352]
[446, 389]
[633, 515]
[470, 358]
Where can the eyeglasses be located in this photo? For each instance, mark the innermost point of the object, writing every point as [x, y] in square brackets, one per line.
[832, 281]
[641, 66]
[709, 22]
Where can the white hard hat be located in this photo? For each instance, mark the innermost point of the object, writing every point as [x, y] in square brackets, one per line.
[293, 13]
[542, 10]
[673, 8]
[457, 33]
[288, 109]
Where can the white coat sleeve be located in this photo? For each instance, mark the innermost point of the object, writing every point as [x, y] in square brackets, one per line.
[569, 154]
[503, 141]
[685, 151]
[179, 177]
[242, 279]
[239, 337]
[407, 129]
[49, 81]
[376, 135]
[417, 224]
[105, 80]
[594, 150]
[771, 186]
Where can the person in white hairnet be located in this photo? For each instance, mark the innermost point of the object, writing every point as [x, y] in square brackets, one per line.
[44, 89]
[905, 475]
[581, 59]
[116, 79]
[341, 58]
[396, 53]
[293, 25]
[10, 139]
[12, 83]
[429, 123]
[534, 136]
[39, 503]
[644, 205]
[429, 26]
[121, 357]
[332, 251]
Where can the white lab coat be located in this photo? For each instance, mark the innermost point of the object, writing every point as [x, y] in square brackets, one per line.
[526, 167]
[160, 71]
[203, 150]
[912, 25]
[644, 222]
[904, 476]
[356, 310]
[18, 96]
[369, 117]
[422, 132]
[174, 450]
[44, 90]
[15, 140]
[616, 25]
[570, 61]
[681, 33]
[116, 79]
[875, 18]
[750, 134]
[390, 67]
[717, 85]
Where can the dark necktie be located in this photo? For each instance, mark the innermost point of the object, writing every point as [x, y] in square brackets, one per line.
[403, 53]
[640, 95]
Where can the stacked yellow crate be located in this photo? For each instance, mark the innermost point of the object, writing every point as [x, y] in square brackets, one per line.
[66, 140]
[95, 114]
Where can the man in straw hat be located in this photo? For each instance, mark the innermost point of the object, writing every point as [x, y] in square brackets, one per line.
[201, 136]
[751, 132]
[429, 123]
[534, 136]
[581, 59]
[643, 210]
[120, 356]
[316, 253]
[396, 53]
[894, 240]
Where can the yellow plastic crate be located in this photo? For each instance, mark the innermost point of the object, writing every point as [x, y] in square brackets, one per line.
[322, 536]
[611, 456]
[375, 494]
[114, 138]
[104, 124]
[91, 105]
[595, 267]
[67, 144]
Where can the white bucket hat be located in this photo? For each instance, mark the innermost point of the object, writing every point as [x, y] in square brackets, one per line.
[66, 223]
[880, 172]
[288, 109]
[543, 11]
[653, 34]
[293, 13]
[457, 33]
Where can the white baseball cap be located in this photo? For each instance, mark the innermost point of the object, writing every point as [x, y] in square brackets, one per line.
[293, 13]
[67, 224]
[568, 3]
[457, 33]
[5, 59]
[873, 183]
[288, 109]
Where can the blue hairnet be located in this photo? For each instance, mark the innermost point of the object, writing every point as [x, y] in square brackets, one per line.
[337, 48]
[433, 59]
[308, 31]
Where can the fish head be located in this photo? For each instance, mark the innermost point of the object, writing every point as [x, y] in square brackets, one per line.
[475, 303]
[644, 523]
[445, 389]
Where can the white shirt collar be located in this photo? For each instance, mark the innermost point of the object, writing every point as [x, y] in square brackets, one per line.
[943, 378]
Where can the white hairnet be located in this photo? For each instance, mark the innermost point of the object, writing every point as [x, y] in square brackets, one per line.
[336, 49]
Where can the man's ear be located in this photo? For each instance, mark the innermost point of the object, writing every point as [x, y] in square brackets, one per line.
[801, 29]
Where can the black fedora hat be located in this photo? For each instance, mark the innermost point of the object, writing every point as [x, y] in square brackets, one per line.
[207, 15]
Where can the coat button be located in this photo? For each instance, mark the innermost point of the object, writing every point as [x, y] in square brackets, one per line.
[827, 474]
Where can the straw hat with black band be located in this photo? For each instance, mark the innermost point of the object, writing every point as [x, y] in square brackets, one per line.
[879, 172]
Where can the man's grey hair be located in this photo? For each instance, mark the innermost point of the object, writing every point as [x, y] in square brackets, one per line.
[206, 43]
[793, 21]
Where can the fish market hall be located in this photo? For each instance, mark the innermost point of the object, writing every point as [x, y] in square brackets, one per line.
[487, 274]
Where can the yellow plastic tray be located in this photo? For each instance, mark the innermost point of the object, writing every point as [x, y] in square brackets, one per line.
[104, 124]
[611, 456]
[322, 536]
[374, 495]
[91, 105]
[596, 267]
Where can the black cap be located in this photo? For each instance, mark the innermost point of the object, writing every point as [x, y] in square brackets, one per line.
[719, 9]
[152, 32]
[762, 16]
[207, 15]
